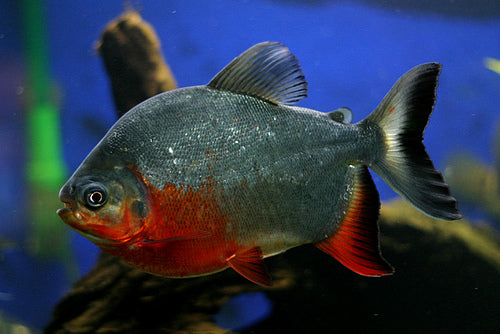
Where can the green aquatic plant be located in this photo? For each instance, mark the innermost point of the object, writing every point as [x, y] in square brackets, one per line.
[45, 171]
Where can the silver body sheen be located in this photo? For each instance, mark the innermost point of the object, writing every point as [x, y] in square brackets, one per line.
[283, 174]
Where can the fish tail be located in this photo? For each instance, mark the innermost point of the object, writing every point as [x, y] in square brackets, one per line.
[404, 163]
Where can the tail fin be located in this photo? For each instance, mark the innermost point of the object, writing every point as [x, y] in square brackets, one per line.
[405, 165]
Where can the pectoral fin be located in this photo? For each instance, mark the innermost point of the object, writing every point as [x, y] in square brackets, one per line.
[151, 243]
[250, 265]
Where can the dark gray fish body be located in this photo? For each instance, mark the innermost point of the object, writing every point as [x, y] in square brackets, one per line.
[280, 176]
[296, 164]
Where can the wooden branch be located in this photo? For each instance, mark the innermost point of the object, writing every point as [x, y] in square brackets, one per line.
[131, 54]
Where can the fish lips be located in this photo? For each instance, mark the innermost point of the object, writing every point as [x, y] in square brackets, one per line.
[70, 216]
[70, 213]
[66, 213]
[76, 221]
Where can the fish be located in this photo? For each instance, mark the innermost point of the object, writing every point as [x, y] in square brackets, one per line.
[200, 179]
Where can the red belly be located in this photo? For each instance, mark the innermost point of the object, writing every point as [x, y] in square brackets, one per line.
[184, 234]
[178, 257]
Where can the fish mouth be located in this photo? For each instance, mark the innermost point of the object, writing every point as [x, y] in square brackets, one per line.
[64, 211]
[68, 212]
[69, 215]
[75, 220]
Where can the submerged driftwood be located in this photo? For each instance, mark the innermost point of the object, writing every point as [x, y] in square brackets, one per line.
[130, 50]
[447, 273]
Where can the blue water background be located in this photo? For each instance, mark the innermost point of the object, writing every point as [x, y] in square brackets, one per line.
[350, 52]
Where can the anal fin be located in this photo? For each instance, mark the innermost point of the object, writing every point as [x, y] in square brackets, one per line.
[250, 265]
[355, 243]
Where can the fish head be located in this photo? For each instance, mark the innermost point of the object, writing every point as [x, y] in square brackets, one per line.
[104, 202]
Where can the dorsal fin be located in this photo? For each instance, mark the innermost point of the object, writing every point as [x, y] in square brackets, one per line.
[355, 243]
[267, 70]
[341, 115]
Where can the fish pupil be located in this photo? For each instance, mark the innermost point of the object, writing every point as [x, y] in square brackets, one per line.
[95, 197]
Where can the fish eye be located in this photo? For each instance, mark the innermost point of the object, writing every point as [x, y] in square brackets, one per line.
[95, 196]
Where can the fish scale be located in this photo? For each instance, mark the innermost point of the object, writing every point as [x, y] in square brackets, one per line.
[289, 168]
[208, 129]
[199, 179]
